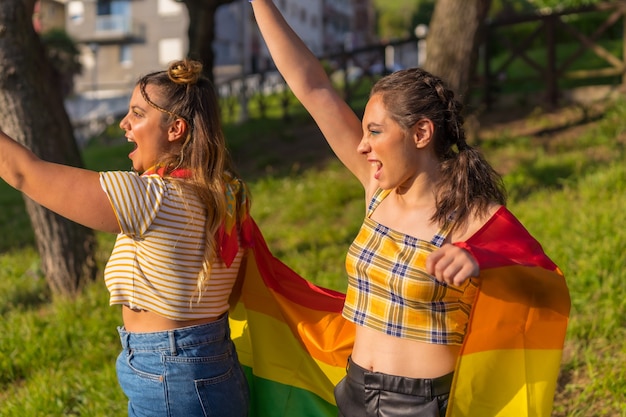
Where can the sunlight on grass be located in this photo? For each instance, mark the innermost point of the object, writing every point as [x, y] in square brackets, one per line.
[578, 229]
[70, 341]
[293, 214]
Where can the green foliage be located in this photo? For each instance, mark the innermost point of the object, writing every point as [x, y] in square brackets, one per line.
[508, 7]
[561, 4]
[61, 46]
[15, 226]
[397, 18]
[112, 156]
[28, 288]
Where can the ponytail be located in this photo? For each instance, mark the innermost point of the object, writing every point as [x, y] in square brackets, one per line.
[468, 184]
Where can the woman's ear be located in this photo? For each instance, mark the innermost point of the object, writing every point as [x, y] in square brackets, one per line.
[178, 130]
[423, 132]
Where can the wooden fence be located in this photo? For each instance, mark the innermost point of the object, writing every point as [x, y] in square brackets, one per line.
[508, 39]
[556, 32]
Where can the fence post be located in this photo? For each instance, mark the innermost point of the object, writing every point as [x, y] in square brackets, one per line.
[623, 47]
[552, 88]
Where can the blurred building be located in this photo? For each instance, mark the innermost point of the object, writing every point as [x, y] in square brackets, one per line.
[363, 23]
[49, 14]
[120, 40]
[304, 16]
[348, 24]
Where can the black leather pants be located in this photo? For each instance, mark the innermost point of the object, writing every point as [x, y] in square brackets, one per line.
[372, 394]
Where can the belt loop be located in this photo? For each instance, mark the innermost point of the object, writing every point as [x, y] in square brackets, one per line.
[124, 336]
[172, 336]
[428, 387]
[226, 325]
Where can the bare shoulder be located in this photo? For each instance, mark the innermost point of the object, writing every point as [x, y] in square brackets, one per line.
[474, 223]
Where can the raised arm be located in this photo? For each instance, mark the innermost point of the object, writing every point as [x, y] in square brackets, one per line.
[307, 79]
[71, 192]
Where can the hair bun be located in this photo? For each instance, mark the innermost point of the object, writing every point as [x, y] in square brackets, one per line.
[186, 71]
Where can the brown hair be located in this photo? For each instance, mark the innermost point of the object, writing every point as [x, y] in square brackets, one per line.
[468, 183]
[183, 92]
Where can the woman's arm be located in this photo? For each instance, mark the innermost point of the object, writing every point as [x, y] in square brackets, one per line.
[307, 79]
[71, 192]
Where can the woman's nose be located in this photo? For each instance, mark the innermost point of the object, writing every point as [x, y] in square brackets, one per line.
[123, 123]
[364, 146]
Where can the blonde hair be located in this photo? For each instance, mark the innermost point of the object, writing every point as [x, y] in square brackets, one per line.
[182, 92]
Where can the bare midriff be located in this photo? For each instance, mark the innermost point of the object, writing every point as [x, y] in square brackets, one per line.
[142, 321]
[379, 352]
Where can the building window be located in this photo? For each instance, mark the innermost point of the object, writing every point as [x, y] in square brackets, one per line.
[113, 7]
[170, 50]
[169, 8]
[76, 11]
[126, 55]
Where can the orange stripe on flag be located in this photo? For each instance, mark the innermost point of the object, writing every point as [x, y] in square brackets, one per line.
[519, 307]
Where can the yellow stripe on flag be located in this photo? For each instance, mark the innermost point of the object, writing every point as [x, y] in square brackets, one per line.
[506, 383]
[510, 359]
[304, 371]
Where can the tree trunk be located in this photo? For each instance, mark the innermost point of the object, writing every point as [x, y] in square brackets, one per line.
[201, 31]
[453, 39]
[32, 112]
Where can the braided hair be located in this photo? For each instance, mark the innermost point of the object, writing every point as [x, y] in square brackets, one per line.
[467, 184]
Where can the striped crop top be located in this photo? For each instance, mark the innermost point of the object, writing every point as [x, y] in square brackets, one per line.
[159, 253]
[390, 291]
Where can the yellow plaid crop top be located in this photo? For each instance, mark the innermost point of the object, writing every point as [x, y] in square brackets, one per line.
[390, 291]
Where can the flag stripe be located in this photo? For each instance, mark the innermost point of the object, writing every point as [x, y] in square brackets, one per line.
[284, 281]
[525, 383]
[324, 334]
[304, 372]
[510, 298]
[267, 399]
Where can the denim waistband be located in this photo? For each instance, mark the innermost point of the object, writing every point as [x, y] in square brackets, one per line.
[215, 331]
[428, 387]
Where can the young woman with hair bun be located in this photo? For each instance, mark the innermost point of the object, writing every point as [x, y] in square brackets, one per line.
[179, 247]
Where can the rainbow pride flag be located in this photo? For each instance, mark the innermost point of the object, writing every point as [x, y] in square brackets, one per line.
[511, 355]
[294, 343]
[290, 336]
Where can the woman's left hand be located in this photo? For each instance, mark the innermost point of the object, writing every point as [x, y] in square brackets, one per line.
[452, 265]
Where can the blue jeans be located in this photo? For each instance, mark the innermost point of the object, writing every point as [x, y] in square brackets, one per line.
[187, 372]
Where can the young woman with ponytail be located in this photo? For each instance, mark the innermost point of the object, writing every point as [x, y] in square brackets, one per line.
[410, 290]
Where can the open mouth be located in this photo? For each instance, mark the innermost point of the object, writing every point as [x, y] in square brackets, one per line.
[377, 165]
[134, 146]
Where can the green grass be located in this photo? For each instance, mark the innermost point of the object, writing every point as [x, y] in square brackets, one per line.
[294, 213]
[57, 356]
